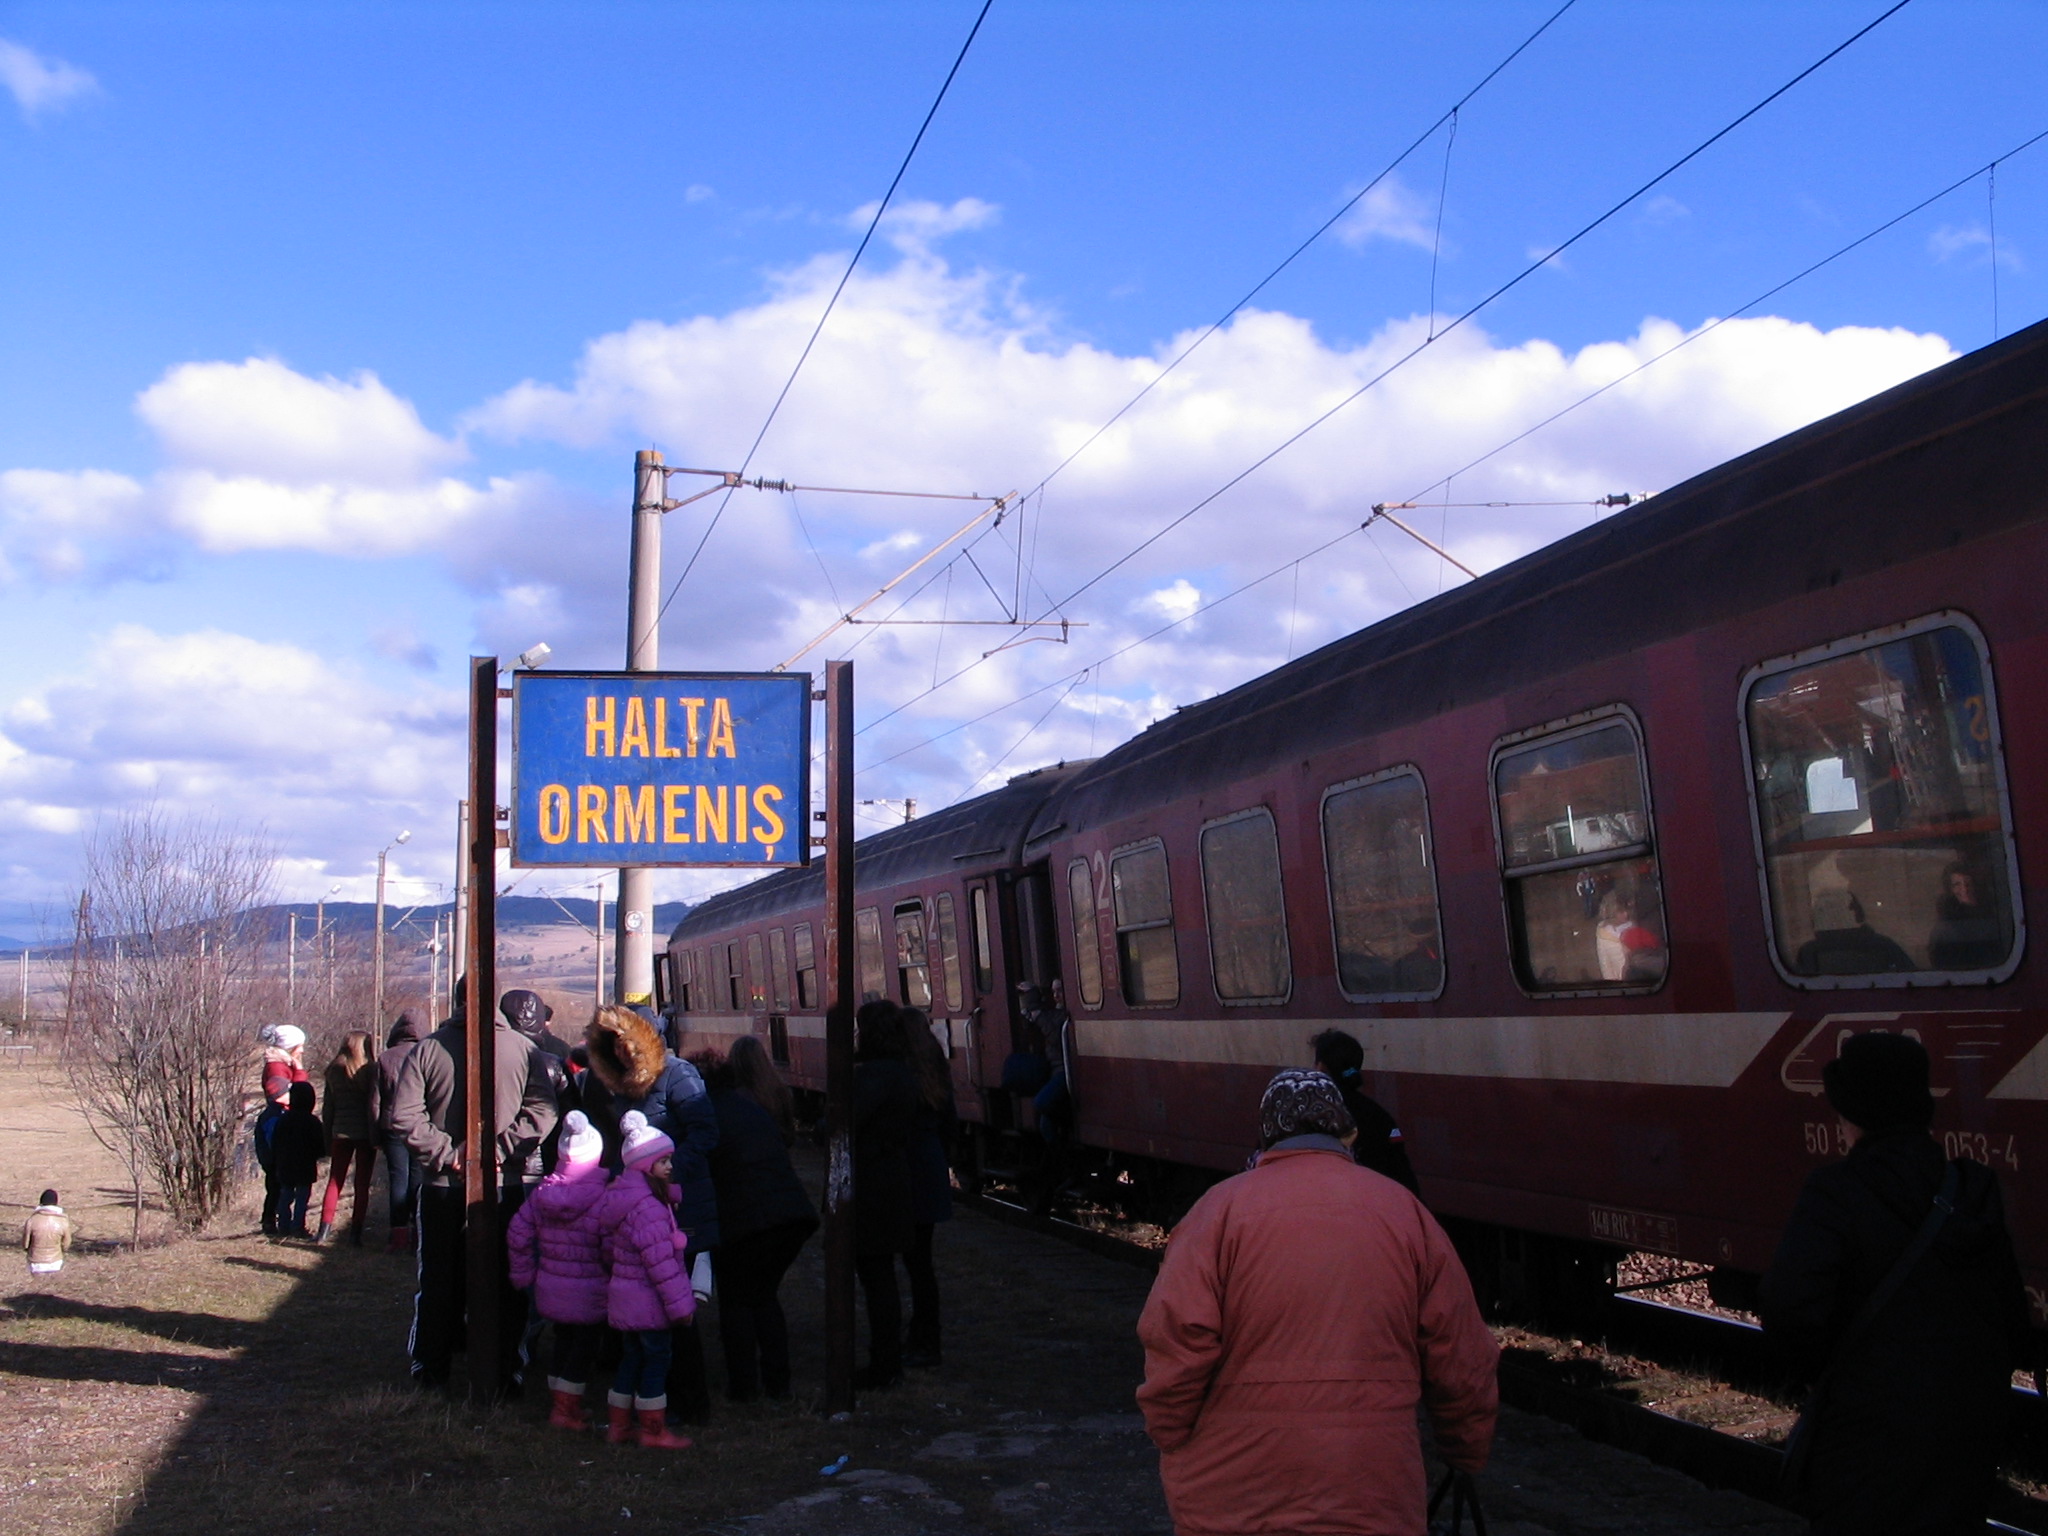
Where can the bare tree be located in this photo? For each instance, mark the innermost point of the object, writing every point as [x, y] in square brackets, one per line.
[170, 987]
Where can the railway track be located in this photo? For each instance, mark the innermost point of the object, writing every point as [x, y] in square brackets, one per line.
[1575, 1382]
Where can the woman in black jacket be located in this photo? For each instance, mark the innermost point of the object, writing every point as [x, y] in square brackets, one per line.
[931, 1184]
[764, 1220]
[885, 1109]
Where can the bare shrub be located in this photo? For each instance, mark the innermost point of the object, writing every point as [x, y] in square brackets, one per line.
[170, 988]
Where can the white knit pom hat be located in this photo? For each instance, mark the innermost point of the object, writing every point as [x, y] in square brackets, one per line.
[580, 1141]
[643, 1143]
[289, 1037]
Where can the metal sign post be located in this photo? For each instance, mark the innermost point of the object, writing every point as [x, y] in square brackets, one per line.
[484, 1254]
[840, 1001]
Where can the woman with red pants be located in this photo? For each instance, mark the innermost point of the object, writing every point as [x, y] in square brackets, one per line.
[351, 1137]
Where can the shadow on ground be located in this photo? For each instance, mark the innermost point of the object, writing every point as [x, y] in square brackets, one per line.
[301, 1420]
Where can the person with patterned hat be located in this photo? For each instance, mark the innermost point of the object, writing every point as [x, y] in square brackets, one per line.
[1305, 1310]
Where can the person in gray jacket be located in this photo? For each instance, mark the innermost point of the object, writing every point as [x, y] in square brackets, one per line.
[402, 1176]
[427, 1113]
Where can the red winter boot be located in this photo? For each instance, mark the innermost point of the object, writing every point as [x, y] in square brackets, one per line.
[618, 1429]
[654, 1431]
[567, 1411]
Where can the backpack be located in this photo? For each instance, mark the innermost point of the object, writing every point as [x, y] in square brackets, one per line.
[266, 1134]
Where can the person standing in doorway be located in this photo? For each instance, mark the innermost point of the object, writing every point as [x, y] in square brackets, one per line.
[349, 1087]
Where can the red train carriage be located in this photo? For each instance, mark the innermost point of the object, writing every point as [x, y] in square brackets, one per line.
[1601, 856]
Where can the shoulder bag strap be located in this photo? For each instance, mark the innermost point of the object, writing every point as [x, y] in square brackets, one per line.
[1937, 1214]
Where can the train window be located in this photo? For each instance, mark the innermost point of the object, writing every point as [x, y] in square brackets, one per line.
[946, 931]
[1383, 906]
[778, 968]
[684, 973]
[984, 955]
[1247, 909]
[913, 968]
[735, 980]
[757, 974]
[1880, 808]
[1144, 925]
[867, 948]
[1585, 909]
[1087, 948]
[806, 969]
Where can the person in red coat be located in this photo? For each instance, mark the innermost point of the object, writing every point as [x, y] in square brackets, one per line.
[1304, 1310]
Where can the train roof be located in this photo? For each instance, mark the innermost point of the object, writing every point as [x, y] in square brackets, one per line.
[1865, 488]
[963, 838]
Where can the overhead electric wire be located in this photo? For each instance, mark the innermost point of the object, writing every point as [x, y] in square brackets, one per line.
[844, 278]
[1505, 288]
[1800, 276]
[1369, 384]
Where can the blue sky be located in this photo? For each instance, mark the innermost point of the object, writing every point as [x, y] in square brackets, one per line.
[478, 254]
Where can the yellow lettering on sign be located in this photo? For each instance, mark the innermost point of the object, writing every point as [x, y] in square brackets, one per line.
[674, 808]
[771, 829]
[595, 724]
[721, 729]
[636, 726]
[633, 814]
[690, 708]
[739, 813]
[554, 813]
[661, 746]
[714, 817]
[590, 808]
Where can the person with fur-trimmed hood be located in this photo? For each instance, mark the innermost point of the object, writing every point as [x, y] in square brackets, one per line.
[632, 1069]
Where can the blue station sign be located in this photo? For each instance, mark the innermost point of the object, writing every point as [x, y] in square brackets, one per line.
[661, 769]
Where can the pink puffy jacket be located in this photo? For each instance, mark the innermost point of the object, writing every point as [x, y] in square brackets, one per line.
[649, 1287]
[556, 1246]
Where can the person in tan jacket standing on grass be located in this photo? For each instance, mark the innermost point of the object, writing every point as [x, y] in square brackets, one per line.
[1304, 1310]
[46, 1235]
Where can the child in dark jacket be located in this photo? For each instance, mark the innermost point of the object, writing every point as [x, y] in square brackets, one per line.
[649, 1289]
[297, 1148]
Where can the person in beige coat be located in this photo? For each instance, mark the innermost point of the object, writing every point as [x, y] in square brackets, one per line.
[1304, 1310]
[46, 1235]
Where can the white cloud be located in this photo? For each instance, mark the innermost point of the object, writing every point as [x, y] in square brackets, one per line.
[1973, 240]
[697, 192]
[1176, 603]
[913, 226]
[39, 84]
[1394, 211]
[1664, 209]
[211, 720]
[65, 526]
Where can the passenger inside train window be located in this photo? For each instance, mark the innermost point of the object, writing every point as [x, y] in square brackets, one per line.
[1583, 892]
[1880, 810]
[1383, 908]
[913, 972]
[757, 975]
[735, 979]
[946, 932]
[1247, 910]
[867, 948]
[1087, 947]
[1844, 943]
[806, 969]
[1144, 926]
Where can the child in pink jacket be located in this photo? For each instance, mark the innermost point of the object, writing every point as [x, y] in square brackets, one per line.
[649, 1289]
[556, 1249]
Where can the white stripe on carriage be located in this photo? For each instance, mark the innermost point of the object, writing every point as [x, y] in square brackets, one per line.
[1672, 1050]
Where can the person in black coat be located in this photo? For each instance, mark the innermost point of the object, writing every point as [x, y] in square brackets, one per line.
[931, 1184]
[1907, 1425]
[1342, 1059]
[298, 1146]
[764, 1220]
[885, 1111]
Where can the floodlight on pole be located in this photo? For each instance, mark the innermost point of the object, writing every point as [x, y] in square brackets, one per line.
[377, 948]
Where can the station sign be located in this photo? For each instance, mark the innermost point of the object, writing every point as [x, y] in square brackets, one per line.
[696, 770]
